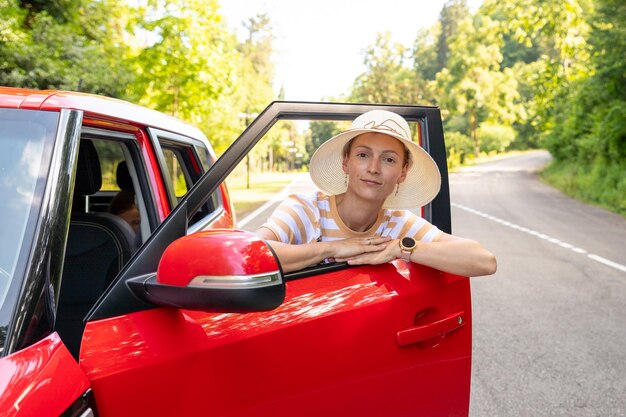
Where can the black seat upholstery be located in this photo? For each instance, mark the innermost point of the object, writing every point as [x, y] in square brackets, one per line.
[122, 176]
[98, 245]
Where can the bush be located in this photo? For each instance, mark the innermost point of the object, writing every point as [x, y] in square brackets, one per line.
[495, 137]
[459, 147]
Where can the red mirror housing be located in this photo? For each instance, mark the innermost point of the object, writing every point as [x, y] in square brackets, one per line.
[215, 270]
[217, 257]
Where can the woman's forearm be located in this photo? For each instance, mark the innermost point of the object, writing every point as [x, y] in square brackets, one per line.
[295, 257]
[457, 256]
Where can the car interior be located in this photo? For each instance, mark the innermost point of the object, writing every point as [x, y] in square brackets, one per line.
[98, 242]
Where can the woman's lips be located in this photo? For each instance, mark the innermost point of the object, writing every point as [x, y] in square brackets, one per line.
[370, 182]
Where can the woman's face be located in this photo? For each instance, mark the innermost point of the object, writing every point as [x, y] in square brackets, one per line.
[375, 165]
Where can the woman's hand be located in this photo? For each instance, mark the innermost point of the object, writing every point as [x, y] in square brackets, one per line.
[357, 249]
[389, 252]
[342, 250]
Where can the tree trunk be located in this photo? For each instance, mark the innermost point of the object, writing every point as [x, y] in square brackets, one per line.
[474, 132]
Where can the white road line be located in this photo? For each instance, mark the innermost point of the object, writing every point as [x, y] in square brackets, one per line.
[241, 223]
[607, 262]
[280, 196]
[545, 237]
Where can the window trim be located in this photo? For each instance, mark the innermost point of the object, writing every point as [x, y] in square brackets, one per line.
[181, 143]
[146, 200]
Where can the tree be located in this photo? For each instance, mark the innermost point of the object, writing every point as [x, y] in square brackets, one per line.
[388, 78]
[452, 14]
[320, 132]
[424, 53]
[62, 45]
[256, 70]
[553, 32]
[254, 87]
[186, 65]
[595, 113]
[472, 87]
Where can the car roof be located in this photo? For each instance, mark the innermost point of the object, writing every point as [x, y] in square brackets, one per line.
[94, 105]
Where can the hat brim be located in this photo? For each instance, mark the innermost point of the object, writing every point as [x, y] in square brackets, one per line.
[421, 185]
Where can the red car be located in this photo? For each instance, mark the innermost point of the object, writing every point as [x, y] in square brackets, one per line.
[184, 314]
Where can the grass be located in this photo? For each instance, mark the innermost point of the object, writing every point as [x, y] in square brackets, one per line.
[601, 184]
[263, 186]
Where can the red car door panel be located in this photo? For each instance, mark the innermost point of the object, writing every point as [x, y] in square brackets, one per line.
[40, 380]
[331, 348]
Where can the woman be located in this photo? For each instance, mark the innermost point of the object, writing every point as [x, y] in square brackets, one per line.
[368, 176]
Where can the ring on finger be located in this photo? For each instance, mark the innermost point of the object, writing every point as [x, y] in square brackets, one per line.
[369, 241]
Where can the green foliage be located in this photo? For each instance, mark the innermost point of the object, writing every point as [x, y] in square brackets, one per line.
[460, 148]
[424, 53]
[48, 47]
[453, 13]
[590, 119]
[472, 86]
[255, 73]
[494, 137]
[321, 131]
[546, 44]
[588, 138]
[187, 63]
[388, 78]
[601, 182]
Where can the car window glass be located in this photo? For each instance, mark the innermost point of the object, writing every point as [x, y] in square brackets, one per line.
[205, 158]
[176, 172]
[110, 154]
[185, 162]
[23, 135]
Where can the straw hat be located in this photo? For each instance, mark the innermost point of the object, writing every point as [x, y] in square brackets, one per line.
[423, 179]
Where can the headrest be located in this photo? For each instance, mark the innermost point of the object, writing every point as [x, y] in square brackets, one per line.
[123, 177]
[88, 173]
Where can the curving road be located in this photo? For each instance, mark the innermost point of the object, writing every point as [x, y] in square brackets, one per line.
[550, 325]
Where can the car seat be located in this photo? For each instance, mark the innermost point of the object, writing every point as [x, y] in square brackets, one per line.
[98, 246]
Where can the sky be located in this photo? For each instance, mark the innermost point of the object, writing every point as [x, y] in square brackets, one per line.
[319, 44]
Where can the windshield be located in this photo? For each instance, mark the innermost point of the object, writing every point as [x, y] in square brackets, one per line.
[23, 134]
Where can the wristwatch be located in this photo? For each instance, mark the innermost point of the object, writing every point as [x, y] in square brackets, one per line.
[407, 244]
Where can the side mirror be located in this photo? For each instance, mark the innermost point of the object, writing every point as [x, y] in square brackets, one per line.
[215, 270]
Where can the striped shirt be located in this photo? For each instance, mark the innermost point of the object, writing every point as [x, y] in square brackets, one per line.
[305, 218]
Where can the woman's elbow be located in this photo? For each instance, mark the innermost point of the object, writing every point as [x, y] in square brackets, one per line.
[489, 265]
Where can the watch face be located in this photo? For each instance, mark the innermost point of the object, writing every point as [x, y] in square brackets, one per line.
[408, 242]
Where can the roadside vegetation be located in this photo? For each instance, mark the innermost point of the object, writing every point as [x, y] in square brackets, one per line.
[514, 75]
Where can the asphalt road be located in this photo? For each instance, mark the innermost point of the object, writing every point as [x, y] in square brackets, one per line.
[550, 326]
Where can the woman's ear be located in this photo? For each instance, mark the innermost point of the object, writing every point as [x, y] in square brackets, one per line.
[344, 164]
[402, 177]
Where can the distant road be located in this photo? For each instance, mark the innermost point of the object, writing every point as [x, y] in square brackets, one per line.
[550, 325]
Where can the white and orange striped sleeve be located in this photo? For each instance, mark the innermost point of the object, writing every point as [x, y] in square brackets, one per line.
[408, 224]
[295, 220]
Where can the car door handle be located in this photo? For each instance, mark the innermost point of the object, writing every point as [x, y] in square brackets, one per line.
[424, 332]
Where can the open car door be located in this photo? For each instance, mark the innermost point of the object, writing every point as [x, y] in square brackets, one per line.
[388, 340]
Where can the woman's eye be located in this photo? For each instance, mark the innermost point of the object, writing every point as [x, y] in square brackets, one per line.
[390, 160]
[361, 155]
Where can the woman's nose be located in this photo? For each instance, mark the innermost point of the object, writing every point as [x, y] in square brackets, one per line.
[373, 166]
